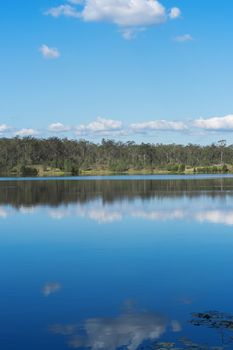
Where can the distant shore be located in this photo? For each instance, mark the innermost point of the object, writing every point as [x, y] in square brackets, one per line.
[63, 157]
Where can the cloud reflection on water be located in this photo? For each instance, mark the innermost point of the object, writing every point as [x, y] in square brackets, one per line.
[224, 217]
[113, 214]
[27, 210]
[128, 330]
[51, 288]
[102, 214]
[3, 213]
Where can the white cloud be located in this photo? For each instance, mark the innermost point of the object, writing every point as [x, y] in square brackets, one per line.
[128, 34]
[104, 127]
[131, 33]
[76, 2]
[175, 13]
[58, 127]
[123, 13]
[216, 123]
[183, 38]
[4, 128]
[63, 10]
[101, 126]
[49, 52]
[26, 132]
[158, 125]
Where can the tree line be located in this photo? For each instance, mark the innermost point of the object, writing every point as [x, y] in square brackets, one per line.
[75, 156]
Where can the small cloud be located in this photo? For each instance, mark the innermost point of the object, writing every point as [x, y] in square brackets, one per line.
[58, 127]
[63, 10]
[51, 288]
[183, 38]
[76, 2]
[174, 13]
[158, 125]
[128, 34]
[131, 33]
[123, 13]
[216, 123]
[101, 126]
[4, 128]
[26, 132]
[49, 52]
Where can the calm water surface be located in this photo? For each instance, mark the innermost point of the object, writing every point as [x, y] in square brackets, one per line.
[110, 264]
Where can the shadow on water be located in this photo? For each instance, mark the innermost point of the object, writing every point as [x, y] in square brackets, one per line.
[54, 193]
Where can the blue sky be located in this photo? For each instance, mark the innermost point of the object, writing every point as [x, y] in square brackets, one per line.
[143, 70]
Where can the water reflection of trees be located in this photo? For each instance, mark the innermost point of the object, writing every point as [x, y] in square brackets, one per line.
[220, 322]
[57, 192]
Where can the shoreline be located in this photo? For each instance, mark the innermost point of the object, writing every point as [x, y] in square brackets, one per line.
[110, 177]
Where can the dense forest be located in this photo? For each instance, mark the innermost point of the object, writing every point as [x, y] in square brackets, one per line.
[33, 156]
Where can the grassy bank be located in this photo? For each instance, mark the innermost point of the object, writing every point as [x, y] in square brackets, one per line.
[43, 171]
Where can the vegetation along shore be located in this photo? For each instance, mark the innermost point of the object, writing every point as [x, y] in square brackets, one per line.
[54, 156]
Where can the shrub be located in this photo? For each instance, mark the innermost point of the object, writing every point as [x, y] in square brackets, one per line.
[28, 171]
[182, 168]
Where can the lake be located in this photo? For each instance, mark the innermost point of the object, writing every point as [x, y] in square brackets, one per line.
[116, 263]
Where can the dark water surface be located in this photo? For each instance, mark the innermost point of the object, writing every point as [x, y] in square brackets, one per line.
[110, 264]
